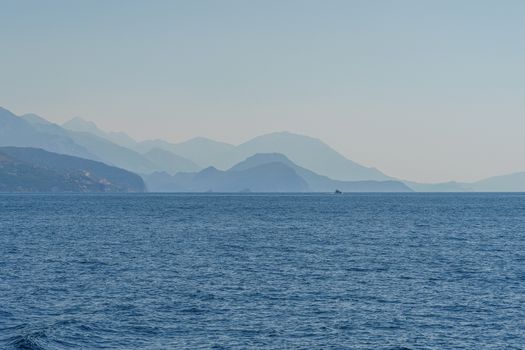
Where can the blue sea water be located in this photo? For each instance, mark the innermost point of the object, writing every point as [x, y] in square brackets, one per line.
[364, 271]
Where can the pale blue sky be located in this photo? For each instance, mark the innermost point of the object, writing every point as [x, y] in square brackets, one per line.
[423, 90]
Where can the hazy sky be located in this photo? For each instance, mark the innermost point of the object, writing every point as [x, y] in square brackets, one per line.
[423, 90]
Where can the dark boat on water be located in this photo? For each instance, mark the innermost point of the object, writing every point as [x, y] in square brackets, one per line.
[338, 192]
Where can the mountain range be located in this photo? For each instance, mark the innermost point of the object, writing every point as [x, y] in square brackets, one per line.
[272, 172]
[305, 151]
[503, 183]
[202, 164]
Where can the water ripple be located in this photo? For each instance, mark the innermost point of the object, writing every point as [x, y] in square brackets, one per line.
[367, 271]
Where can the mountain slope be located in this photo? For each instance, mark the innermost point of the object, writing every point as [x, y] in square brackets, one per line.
[202, 151]
[36, 170]
[154, 159]
[302, 150]
[161, 181]
[35, 119]
[119, 138]
[320, 183]
[15, 131]
[114, 154]
[98, 148]
[270, 177]
[169, 161]
[263, 173]
[306, 152]
[451, 186]
[503, 183]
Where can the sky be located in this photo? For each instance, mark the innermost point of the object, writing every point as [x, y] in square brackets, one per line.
[424, 90]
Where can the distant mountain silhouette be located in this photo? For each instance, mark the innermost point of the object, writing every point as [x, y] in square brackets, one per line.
[159, 154]
[36, 170]
[172, 163]
[306, 152]
[503, 183]
[119, 138]
[202, 151]
[320, 183]
[271, 177]
[161, 181]
[199, 151]
[451, 186]
[308, 157]
[263, 173]
[31, 130]
[100, 148]
[35, 119]
[16, 131]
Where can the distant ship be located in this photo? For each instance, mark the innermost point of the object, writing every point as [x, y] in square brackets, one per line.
[338, 192]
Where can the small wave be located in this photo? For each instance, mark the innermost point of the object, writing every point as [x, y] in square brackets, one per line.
[29, 341]
[5, 314]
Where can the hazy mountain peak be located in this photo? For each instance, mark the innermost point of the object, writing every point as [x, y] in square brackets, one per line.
[37, 132]
[79, 124]
[261, 158]
[199, 140]
[210, 169]
[270, 156]
[286, 136]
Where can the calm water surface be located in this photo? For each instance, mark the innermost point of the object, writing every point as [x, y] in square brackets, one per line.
[368, 271]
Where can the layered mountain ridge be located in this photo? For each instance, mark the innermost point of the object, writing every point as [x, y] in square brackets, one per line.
[293, 162]
[263, 173]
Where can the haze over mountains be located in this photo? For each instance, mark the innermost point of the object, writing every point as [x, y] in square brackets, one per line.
[275, 162]
[264, 172]
[503, 183]
[303, 150]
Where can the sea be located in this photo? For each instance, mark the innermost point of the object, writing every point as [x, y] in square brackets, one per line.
[262, 271]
